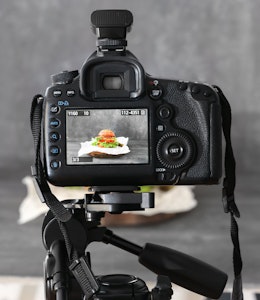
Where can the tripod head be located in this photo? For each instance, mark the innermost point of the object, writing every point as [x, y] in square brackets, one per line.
[174, 266]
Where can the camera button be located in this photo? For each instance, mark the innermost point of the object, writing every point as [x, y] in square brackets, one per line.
[168, 176]
[54, 136]
[195, 89]
[54, 123]
[156, 92]
[57, 93]
[160, 128]
[54, 150]
[54, 109]
[164, 112]
[183, 86]
[175, 151]
[71, 93]
[55, 164]
[207, 93]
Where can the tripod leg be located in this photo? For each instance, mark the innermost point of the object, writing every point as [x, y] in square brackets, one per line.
[56, 272]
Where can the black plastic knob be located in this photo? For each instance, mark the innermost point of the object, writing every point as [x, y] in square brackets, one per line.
[64, 77]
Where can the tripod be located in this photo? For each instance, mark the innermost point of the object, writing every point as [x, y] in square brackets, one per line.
[168, 264]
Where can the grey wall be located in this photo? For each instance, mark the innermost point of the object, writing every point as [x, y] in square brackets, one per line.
[213, 41]
[216, 41]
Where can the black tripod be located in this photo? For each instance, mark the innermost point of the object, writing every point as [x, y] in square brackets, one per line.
[170, 265]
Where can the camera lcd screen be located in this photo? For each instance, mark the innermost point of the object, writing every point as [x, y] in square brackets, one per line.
[107, 136]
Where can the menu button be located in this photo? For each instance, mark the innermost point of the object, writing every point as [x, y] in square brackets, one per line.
[57, 93]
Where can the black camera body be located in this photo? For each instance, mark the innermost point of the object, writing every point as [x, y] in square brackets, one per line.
[111, 124]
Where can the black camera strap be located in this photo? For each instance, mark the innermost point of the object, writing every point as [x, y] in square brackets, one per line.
[228, 196]
[78, 265]
[59, 211]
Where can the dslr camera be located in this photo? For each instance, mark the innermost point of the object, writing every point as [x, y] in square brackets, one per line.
[111, 124]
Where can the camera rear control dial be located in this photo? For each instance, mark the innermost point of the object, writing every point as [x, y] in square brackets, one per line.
[175, 150]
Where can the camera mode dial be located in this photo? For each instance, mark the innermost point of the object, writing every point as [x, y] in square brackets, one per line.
[175, 150]
[64, 77]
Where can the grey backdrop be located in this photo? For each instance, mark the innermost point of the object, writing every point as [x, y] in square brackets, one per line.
[215, 41]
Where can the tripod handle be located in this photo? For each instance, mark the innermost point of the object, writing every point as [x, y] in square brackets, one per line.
[184, 270]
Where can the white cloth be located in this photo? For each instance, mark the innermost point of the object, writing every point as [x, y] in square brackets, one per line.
[87, 148]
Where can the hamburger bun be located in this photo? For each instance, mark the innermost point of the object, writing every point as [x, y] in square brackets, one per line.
[107, 133]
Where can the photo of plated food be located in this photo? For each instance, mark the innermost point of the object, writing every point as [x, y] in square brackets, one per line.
[105, 145]
[108, 136]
